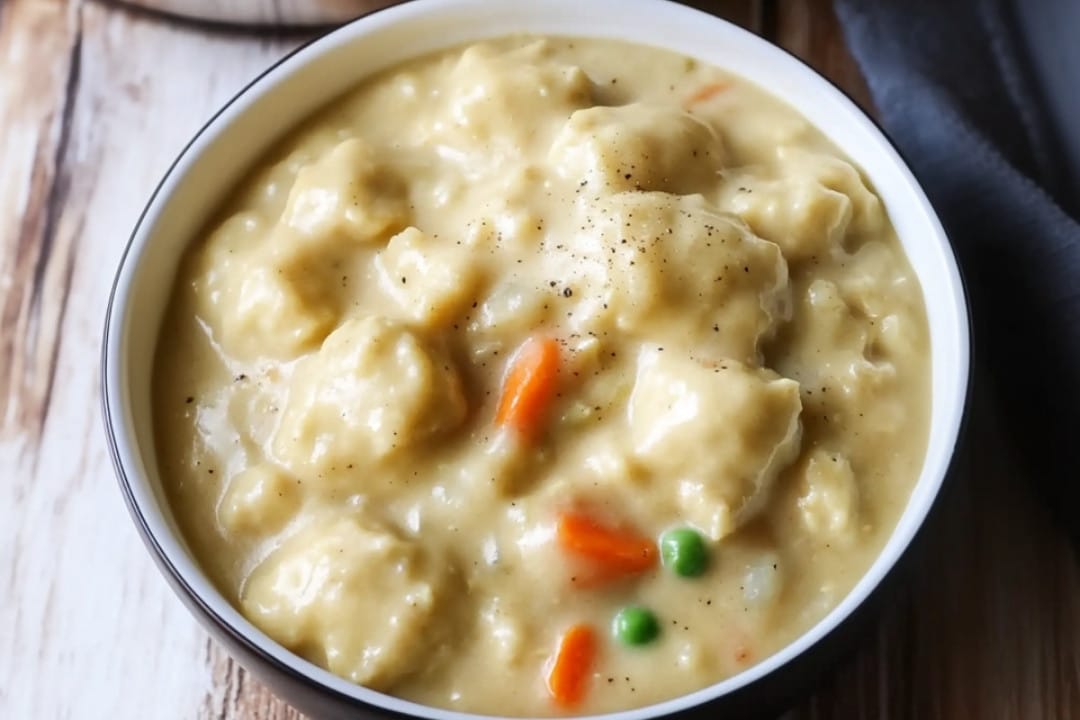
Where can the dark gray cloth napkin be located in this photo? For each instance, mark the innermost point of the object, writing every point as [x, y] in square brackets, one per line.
[983, 100]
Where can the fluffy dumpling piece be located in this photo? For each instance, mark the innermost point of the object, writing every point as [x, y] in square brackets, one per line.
[837, 174]
[490, 93]
[637, 147]
[271, 289]
[802, 216]
[876, 286]
[353, 597]
[639, 254]
[719, 433]
[810, 208]
[847, 348]
[828, 499]
[427, 279]
[373, 388]
[345, 196]
[258, 500]
[251, 304]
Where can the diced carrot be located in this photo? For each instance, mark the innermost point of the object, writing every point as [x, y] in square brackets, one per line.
[706, 92]
[569, 668]
[529, 386]
[617, 551]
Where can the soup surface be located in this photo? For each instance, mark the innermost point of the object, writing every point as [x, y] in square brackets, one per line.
[543, 376]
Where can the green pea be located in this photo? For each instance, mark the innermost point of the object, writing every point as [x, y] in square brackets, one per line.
[684, 551]
[635, 626]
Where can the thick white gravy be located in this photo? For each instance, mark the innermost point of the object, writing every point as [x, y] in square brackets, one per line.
[742, 344]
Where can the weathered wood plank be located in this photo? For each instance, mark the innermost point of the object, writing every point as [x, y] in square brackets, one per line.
[39, 44]
[95, 104]
[264, 12]
[747, 13]
[39, 55]
[236, 694]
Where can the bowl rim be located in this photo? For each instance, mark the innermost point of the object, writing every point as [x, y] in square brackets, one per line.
[225, 618]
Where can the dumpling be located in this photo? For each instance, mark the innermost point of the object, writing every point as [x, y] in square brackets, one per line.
[253, 308]
[802, 216]
[811, 205]
[718, 433]
[489, 93]
[828, 496]
[353, 597]
[258, 500]
[867, 212]
[372, 389]
[345, 196]
[639, 254]
[274, 291]
[637, 147]
[427, 279]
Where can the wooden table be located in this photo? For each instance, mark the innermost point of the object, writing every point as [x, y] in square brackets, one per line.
[95, 101]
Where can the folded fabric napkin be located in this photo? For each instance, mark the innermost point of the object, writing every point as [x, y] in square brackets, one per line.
[976, 95]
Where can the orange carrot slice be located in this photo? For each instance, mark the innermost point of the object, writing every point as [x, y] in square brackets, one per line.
[529, 386]
[617, 551]
[569, 668]
[706, 92]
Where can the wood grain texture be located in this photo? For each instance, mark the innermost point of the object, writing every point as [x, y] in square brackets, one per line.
[290, 13]
[95, 101]
[35, 112]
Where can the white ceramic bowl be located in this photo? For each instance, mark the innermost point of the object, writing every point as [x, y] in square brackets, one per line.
[222, 152]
